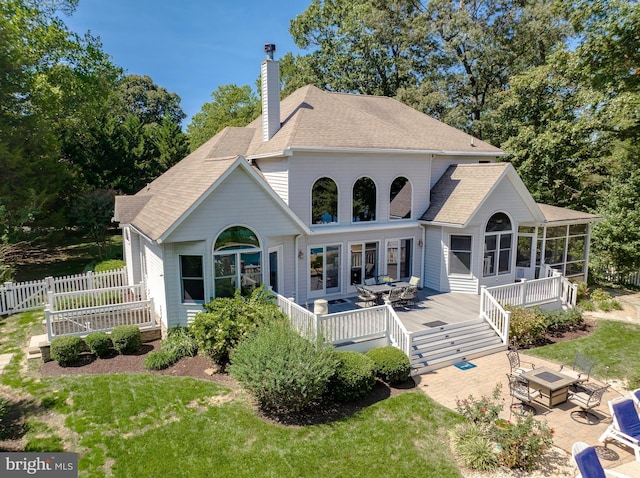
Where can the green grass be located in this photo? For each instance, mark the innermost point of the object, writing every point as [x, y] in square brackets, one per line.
[614, 346]
[147, 425]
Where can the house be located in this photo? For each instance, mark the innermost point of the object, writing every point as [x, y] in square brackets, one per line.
[325, 190]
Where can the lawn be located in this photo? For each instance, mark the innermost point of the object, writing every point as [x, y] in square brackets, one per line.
[129, 425]
[614, 346]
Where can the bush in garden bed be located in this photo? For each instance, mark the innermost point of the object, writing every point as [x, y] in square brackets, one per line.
[126, 339]
[526, 326]
[353, 378]
[98, 343]
[65, 350]
[178, 344]
[390, 364]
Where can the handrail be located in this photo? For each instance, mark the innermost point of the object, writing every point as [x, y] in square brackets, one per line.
[494, 314]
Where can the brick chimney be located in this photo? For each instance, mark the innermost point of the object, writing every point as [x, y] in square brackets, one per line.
[270, 73]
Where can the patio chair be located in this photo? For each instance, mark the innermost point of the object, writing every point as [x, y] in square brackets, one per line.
[521, 391]
[370, 281]
[635, 396]
[414, 281]
[587, 400]
[384, 279]
[625, 425]
[393, 297]
[516, 364]
[589, 465]
[408, 295]
[365, 296]
[582, 365]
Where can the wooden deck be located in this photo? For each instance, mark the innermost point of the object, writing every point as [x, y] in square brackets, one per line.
[431, 306]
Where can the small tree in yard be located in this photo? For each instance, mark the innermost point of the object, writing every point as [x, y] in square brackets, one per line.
[283, 371]
[92, 213]
[226, 321]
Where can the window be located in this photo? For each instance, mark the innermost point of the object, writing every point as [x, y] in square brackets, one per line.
[324, 270]
[565, 248]
[364, 200]
[400, 199]
[399, 255]
[524, 254]
[192, 278]
[324, 201]
[460, 255]
[364, 262]
[236, 261]
[497, 245]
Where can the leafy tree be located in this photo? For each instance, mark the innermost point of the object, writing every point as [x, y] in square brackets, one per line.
[232, 105]
[150, 103]
[92, 212]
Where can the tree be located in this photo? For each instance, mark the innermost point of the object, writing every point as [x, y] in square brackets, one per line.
[232, 105]
[141, 97]
[92, 212]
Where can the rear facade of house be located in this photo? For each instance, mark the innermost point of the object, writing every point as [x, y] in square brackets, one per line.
[326, 190]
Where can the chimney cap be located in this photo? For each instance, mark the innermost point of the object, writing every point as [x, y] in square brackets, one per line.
[269, 49]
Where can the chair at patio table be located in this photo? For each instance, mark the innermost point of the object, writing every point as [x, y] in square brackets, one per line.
[625, 426]
[589, 464]
[582, 365]
[365, 296]
[516, 364]
[587, 400]
[408, 295]
[521, 391]
[393, 296]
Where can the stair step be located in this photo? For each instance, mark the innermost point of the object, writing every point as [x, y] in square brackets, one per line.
[419, 368]
[461, 330]
[433, 354]
[453, 339]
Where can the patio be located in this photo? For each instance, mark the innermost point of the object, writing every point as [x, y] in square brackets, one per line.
[448, 384]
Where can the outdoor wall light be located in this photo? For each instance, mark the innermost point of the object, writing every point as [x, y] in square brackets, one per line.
[300, 254]
[420, 243]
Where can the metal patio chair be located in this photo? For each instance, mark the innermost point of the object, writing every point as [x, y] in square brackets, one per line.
[587, 400]
[582, 365]
[516, 364]
[366, 296]
[521, 391]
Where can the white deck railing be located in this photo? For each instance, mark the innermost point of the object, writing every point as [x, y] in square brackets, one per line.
[95, 297]
[21, 296]
[347, 326]
[102, 318]
[494, 314]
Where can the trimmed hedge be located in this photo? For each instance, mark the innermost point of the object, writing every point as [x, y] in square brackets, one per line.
[354, 377]
[390, 364]
[98, 343]
[126, 339]
[65, 350]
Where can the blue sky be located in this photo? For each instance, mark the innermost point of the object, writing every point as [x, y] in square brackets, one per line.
[189, 47]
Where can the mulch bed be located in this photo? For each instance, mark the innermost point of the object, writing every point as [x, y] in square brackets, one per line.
[584, 329]
[195, 367]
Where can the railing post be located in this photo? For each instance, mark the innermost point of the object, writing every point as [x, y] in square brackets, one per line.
[10, 298]
[523, 292]
[505, 330]
[89, 280]
[51, 304]
[483, 295]
[47, 317]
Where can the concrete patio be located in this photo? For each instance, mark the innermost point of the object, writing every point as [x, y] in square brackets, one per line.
[448, 384]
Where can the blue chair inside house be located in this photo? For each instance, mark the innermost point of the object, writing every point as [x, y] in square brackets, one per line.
[589, 464]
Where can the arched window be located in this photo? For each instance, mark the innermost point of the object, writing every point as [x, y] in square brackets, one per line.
[324, 201]
[400, 199]
[498, 241]
[237, 261]
[364, 200]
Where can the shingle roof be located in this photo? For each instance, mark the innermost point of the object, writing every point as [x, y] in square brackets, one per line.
[311, 118]
[460, 191]
[560, 214]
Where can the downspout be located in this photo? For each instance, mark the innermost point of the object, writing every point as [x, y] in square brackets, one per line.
[587, 252]
[423, 276]
[295, 270]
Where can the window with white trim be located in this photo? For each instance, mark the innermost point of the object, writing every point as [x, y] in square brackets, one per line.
[460, 254]
[237, 261]
[192, 279]
[498, 241]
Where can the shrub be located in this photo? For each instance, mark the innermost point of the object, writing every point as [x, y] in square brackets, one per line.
[226, 321]
[586, 305]
[523, 442]
[109, 265]
[179, 343]
[126, 339]
[4, 410]
[65, 350]
[526, 327]
[390, 364]
[583, 291]
[475, 448]
[98, 343]
[353, 378]
[282, 370]
[599, 295]
[562, 320]
[483, 411]
[159, 360]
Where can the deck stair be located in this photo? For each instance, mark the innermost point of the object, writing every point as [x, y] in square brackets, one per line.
[448, 344]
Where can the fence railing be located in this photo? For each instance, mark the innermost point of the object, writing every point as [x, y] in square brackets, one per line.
[494, 314]
[95, 297]
[102, 318]
[21, 296]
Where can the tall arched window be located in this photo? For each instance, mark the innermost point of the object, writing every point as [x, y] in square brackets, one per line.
[400, 199]
[237, 261]
[498, 239]
[364, 200]
[324, 201]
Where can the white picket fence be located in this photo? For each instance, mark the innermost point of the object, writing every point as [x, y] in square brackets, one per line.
[22, 296]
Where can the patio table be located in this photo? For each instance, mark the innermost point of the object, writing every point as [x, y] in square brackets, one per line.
[380, 289]
[552, 385]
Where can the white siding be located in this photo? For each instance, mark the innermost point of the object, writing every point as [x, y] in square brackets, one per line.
[345, 169]
[154, 262]
[178, 311]
[131, 255]
[276, 172]
[433, 258]
[440, 164]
